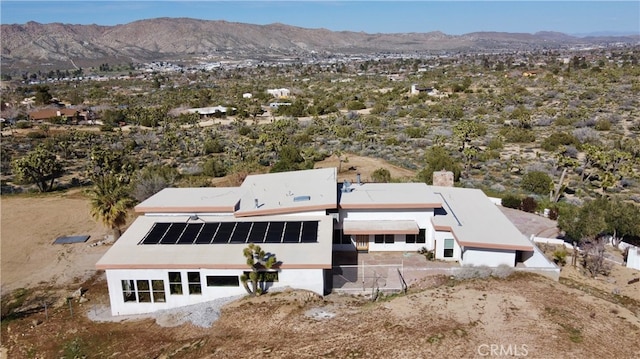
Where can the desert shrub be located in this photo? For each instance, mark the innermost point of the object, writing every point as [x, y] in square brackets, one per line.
[23, 124]
[560, 256]
[213, 146]
[381, 175]
[536, 182]
[214, 168]
[511, 201]
[36, 135]
[355, 105]
[518, 135]
[495, 143]
[529, 205]
[556, 139]
[603, 125]
[586, 135]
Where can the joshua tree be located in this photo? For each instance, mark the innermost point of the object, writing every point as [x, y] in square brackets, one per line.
[259, 261]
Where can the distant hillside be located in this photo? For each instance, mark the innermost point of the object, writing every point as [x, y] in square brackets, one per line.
[165, 38]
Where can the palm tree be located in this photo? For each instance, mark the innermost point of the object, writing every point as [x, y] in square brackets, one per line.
[110, 203]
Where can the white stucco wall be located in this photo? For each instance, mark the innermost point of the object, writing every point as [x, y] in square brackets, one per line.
[440, 236]
[488, 257]
[309, 279]
[633, 260]
[421, 217]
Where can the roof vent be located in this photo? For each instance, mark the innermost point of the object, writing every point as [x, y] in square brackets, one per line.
[301, 198]
[346, 187]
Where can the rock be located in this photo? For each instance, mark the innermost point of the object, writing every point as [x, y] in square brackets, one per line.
[83, 300]
[36, 322]
[616, 291]
[77, 293]
[634, 280]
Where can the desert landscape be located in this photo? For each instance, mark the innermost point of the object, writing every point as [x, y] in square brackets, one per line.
[524, 315]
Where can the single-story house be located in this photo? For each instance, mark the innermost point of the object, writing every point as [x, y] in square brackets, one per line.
[214, 111]
[187, 246]
[279, 93]
[47, 114]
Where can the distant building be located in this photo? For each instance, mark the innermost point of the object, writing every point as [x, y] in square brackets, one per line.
[416, 90]
[279, 93]
[215, 111]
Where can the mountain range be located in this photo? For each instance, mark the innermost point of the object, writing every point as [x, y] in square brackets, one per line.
[65, 45]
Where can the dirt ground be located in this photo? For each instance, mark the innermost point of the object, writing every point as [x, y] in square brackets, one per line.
[577, 317]
[353, 164]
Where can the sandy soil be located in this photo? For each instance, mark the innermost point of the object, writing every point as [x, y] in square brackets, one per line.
[355, 164]
[29, 226]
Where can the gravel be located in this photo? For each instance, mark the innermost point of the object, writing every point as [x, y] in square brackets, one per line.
[201, 314]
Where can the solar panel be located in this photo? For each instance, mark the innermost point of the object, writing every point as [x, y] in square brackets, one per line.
[156, 233]
[274, 232]
[173, 233]
[232, 232]
[224, 232]
[292, 232]
[241, 232]
[206, 234]
[190, 233]
[258, 232]
[309, 232]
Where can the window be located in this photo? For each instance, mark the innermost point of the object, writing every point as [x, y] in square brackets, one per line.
[175, 283]
[422, 236]
[195, 287]
[448, 247]
[410, 238]
[157, 289]
[223, 281]
[384, 238]
[128, 291]
[144, 291]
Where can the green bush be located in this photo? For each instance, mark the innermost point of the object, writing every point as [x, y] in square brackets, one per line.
[518, 135]
[23, 124]
[560, 256]
[214, 168]
[511, 201]
[603, 125]
[556, 139]
[536, 182]
[36, 135]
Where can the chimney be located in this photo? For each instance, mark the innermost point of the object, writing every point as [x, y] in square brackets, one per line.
[358, 179]
[443, 178]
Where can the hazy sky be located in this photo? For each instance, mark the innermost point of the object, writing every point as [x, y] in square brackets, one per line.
[451, 17]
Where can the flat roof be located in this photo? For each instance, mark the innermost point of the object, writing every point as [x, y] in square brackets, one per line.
[191, 200]
[288, 192]
[475, 221]
[128, 252]
[389, 196]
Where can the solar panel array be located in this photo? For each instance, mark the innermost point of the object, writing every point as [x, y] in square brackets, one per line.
[232, 232]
